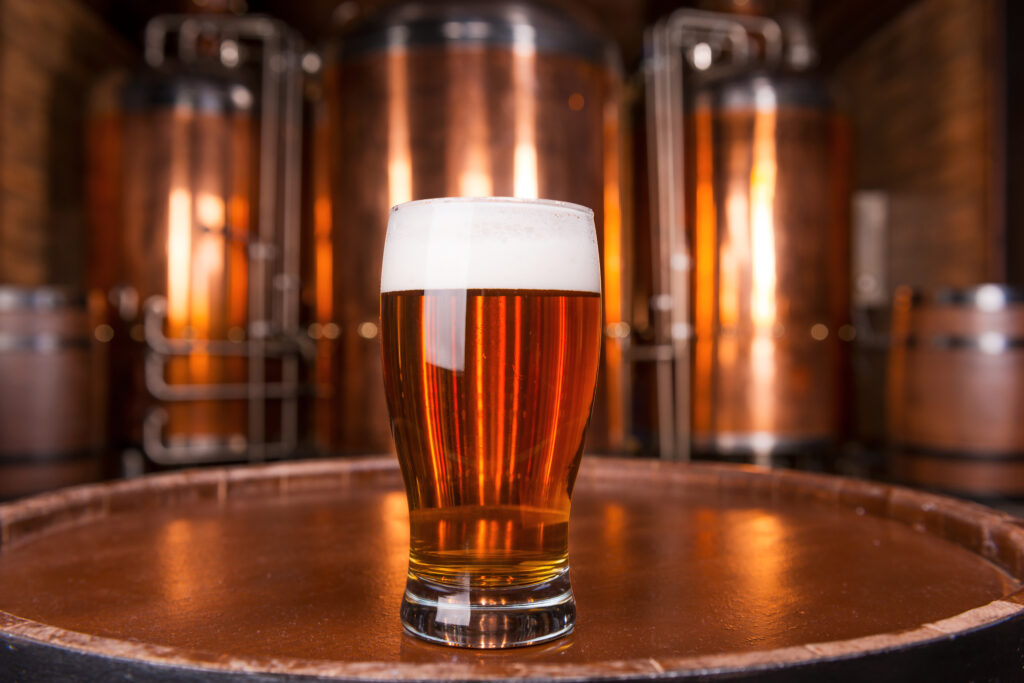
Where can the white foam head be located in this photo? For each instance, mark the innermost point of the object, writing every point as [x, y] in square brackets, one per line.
[490, 243]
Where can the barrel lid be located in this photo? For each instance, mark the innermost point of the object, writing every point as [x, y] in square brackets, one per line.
[19, 298]
[462, 22]
[681, 571]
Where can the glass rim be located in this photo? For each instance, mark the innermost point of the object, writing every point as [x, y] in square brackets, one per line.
[523, 201]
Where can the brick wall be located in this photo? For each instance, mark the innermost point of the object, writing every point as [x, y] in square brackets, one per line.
[921, 93]
[51, 51]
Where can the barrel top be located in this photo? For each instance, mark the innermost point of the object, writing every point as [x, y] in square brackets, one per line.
[298, 569]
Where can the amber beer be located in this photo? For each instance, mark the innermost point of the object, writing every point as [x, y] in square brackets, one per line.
[490, 321]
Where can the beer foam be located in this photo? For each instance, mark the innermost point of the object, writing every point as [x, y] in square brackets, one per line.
[490, 243]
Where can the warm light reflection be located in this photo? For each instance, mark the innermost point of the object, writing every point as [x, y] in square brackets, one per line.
[210, 211]
[483, 539]
[556, 409]
[763, 273]
[179, 258]
[238, 253]
[481, 391]
[614, 527]
[706, 544]
[207, 284]
[705, 238]
[185, 572]
[209, 168]
[762, 220]
[474, 184]
[399, 155]
[323, 258]
[206, 281]
[613, 275]
[394, 515]
[762, 542]
[733, 257]
[735, 307]
[323, 277]
[517, 365]
[470, 149]
[524, 77]
[525, 170]
[429, 403]
[763, 537]
[499, 433]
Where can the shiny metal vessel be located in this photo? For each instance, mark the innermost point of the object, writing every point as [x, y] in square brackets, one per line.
[457, 99]
[193, 174]
[749, 304]
[769, 198]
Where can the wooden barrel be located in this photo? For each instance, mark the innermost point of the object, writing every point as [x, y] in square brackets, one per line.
[49, 412]
[703, 571]
[956, 390]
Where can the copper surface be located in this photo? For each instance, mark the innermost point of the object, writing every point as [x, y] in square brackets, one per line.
[171, 203]
[300, 568]
[771, 274]
[460, 120]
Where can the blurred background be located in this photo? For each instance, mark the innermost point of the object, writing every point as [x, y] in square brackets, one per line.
[806, 210]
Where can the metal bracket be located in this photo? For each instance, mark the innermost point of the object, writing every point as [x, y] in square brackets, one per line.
[160, 349]
[198, 451]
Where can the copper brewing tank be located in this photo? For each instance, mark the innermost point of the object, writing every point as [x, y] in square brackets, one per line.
[768, 206]
[194, 251]
[739, 347]
[459, 99]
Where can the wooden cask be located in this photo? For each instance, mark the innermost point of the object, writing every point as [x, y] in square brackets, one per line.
[956, 390]
[49, 415]
[681, 572]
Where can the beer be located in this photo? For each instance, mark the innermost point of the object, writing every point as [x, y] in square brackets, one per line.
[489, 444]
[491, 333]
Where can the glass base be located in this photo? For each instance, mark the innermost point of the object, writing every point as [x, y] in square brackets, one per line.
[489, 618]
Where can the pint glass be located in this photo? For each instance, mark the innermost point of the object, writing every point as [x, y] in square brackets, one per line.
[491, 335]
